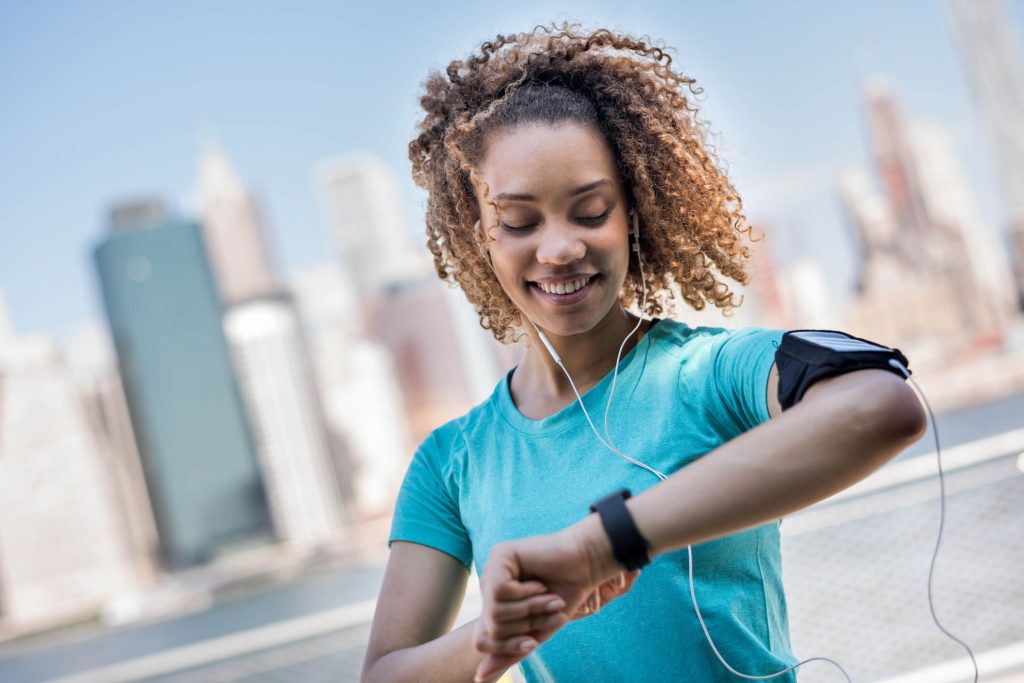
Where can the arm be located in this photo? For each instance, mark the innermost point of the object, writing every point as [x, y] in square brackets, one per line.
[844, 428]
[419, 600]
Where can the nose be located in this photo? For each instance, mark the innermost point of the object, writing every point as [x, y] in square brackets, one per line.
[559, 245]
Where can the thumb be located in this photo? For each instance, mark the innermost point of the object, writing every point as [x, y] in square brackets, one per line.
[493, 665]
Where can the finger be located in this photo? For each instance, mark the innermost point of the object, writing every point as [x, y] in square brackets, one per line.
[495, 662]
[505, 630]
[520, 609]
[517, 590]
[484, 642]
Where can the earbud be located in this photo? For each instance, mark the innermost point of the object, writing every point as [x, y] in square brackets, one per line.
[635, 232]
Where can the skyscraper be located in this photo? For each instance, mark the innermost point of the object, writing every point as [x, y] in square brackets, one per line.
[361, 395]
[897, 173]
[445, 361]
[92, 365]
[992, 59]
[269, 353]
[270, 359]
[923, 245]
[63, 551]
[195, 441]
[233, 230]
[363, 208]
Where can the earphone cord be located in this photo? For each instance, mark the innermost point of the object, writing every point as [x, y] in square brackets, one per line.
[610, 445]
[689, 548]
[942, 517]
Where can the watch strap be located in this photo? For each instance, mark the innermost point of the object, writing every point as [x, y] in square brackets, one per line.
[629, 547]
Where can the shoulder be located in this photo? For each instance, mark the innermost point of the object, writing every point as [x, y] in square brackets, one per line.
[708, 343]
[445, 445]
[726, 370]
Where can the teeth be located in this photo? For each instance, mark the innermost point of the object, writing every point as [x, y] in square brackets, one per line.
[565, 287]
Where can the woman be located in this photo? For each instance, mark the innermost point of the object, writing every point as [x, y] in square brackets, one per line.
[546, 157]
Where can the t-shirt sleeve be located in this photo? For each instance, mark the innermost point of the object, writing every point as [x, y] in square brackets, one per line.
[427, 511]
[742, 364]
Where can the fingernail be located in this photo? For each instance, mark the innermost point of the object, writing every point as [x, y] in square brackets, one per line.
[555, 604]
[527, 645]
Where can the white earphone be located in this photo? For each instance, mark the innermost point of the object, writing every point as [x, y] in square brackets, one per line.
[607, 442]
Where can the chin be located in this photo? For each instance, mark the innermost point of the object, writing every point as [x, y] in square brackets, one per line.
[570, 325]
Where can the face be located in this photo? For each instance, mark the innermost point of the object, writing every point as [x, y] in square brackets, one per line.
[559, 238]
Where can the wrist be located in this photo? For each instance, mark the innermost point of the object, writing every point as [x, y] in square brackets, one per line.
[590, 535]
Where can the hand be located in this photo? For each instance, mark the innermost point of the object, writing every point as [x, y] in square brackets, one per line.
[515, 619]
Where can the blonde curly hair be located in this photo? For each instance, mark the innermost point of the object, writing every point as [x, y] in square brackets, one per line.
[693, 229]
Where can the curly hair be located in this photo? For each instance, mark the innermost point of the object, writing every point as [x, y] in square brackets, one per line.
[692, 223]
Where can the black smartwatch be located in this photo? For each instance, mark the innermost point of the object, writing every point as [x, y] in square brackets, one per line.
[629, 547]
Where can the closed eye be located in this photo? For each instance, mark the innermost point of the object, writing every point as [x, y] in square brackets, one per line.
[595, 220]
[515, 228]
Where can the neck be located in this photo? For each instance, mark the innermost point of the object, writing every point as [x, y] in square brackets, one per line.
[540, 387]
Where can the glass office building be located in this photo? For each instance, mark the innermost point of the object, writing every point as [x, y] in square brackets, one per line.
[186, 408]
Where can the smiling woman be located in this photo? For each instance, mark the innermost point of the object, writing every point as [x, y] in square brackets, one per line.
[569, 182]
[693, 228]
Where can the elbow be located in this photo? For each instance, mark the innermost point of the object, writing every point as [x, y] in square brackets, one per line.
[367, 675]
[898, 415]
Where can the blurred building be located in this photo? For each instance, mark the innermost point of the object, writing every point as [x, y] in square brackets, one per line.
[995, 71]
[270, 357]
[187, 413]
[63, 547]
[363, 208]
[233, 231]
[445, 361]
[271, 362]
[772, 308]
[930, 279]
[970, 256]
[805, 290]
[92, 364]
[362, 399]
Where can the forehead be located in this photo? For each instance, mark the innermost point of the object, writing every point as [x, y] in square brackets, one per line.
[542, 159]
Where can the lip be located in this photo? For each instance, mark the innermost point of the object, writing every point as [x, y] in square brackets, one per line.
[563, 278]
[564, 299]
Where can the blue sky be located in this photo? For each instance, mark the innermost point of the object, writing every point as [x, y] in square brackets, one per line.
[104, 101]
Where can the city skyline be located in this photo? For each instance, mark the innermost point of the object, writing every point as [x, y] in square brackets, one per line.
[44, 273]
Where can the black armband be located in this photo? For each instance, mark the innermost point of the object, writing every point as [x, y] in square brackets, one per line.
[806, 356]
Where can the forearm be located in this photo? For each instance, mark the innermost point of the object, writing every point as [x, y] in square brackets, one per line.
[802, 456]
[452, 657]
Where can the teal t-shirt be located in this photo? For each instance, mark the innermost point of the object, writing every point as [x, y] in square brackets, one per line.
[495, 475]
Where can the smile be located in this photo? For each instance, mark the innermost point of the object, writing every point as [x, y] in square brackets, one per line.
[565, 287]
[568, 292]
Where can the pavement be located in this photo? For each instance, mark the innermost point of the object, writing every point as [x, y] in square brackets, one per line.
[856, 573]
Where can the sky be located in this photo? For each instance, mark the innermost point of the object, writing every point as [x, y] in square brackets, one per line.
[106, 101]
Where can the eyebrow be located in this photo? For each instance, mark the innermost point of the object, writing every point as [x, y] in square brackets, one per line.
[582, 189]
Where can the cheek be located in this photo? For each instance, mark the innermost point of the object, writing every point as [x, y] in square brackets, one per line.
[507, 263]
